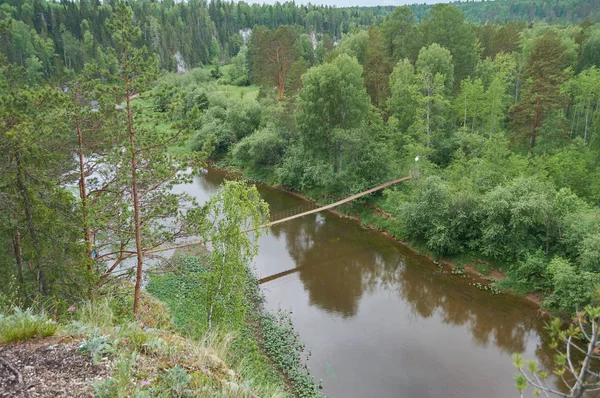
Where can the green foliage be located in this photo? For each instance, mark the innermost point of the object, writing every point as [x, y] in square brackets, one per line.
[186, 299]
[283, 346]
[38, 217]
[355, 45]
[263, 148]
[332, 97]
[445, 26]
[119, 383]
[343, 120]
[515, 219]
[545, 72]
[589, 252]
[572, 289]
[589, 50]
[529, 275]
[225, 123]
[434, 68]
[177, 380]
[376, 68]
[444, 222]
[401, 35]
[436, 60]
[235, 208]
[23, 325]
[96, 347]
[401, 104]
[271, 54]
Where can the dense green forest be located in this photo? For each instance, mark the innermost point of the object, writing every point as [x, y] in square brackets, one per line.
[51, 38]
[499, 123]
[491, 107]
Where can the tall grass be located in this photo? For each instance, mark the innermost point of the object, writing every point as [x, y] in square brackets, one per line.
[152, 361]
[23, 325]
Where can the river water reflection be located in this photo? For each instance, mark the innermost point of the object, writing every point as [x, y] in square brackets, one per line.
[381, 321]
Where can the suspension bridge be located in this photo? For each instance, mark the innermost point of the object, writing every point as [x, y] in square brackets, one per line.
[290, 214]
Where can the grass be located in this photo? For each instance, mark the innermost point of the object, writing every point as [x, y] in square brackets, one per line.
[184, 297]
[23, 325]
[150, 361]
[148, 358]
[248, 93]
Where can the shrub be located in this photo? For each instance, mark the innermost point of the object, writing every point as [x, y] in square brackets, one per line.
[119, 384]
[264, 147]
[573, 290]
[590, 253]
[96, 347]
[23, 325]
[529, 275]
[176, 380]
[283, 346]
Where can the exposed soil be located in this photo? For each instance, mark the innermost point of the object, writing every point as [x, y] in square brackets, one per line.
[51, 367]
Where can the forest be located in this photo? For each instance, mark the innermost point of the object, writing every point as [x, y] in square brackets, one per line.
[492, 107]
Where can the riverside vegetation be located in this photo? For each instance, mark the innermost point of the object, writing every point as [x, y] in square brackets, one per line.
[497, 122]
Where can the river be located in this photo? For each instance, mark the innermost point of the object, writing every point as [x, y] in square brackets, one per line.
[382, 321]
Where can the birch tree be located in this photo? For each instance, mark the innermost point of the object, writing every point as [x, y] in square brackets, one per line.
[333, 98]
[434, 68]
[229, 214]
[585, 90]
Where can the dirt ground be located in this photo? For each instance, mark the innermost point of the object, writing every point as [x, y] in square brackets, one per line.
[50, 367]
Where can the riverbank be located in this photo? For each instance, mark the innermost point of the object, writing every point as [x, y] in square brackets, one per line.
[99, 349]
[102, 351]
[263, 343]
[482, 273]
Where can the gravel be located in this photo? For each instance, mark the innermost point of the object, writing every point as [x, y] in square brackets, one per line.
[50, 367]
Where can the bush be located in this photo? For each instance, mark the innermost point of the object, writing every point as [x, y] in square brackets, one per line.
[96, 347]
[514, 218]
[573, 290]
[530, 275]
[590, 253]
[23, 325]
[283, 346]
[119, 384]
[265, 147]
[428, 217]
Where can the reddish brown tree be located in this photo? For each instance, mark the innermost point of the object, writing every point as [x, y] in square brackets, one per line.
[272, 53]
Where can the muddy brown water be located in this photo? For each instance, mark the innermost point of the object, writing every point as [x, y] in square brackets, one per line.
[382, 321]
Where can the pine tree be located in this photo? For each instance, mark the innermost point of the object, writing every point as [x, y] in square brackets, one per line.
[545, 73]
[377, 68]
[148, 214]
[37, 211]
[272, 53]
